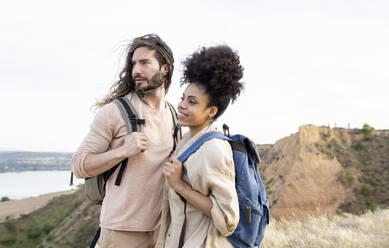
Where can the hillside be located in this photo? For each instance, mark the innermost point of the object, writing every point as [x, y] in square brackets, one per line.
[317, 171]
[21, 161]
[320, 170]
[14, 208]
[69, 220]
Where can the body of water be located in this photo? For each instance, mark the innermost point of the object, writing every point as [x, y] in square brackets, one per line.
[18, 185]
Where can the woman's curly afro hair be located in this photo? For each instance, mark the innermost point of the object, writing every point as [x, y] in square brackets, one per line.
[218, 70]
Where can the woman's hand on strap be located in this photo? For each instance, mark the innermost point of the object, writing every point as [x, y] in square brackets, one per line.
[172, 169]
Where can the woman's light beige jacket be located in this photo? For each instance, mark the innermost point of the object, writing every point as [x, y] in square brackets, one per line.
[210, 171]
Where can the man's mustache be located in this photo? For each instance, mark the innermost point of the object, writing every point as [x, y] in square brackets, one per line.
[139, 77]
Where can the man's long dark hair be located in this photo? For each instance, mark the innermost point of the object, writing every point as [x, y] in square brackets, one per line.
[126, 84]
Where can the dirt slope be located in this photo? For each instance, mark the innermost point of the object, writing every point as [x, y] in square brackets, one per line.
[321, 171]
[15, 208]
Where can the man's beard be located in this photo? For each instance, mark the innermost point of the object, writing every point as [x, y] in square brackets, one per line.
[154, 83]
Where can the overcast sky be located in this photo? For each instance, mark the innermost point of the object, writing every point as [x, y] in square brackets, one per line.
[306, 62]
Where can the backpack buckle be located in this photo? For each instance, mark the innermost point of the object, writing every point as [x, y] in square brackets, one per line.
[226, 130]
[248, 208]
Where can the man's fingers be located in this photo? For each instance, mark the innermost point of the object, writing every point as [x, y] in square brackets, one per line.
[138, 136]
[166, 170]
[141, 136]
[142, 145]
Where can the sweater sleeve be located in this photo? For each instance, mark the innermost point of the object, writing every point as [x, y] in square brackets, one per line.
[216, 178]
[97, 140]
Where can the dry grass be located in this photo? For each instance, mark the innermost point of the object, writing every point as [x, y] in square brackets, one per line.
[345, 231]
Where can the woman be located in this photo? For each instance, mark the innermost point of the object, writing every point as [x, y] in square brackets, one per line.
[206, 180]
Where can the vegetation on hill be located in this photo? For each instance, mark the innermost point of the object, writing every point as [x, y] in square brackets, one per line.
[365, 160]
[66, 221]
[70, 221]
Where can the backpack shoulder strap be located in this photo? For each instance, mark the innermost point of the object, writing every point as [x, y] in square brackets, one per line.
[131, 120]
[199, 142]
[132, 123]
[129, 114]
[183, 157]
[177, 128]
[177, 134]
[173, 111]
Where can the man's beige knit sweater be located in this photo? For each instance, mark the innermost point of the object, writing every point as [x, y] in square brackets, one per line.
[135, 205]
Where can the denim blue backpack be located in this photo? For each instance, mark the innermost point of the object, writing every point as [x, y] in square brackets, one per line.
[253, 204]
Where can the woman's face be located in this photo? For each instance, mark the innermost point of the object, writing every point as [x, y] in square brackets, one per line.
[193, 111]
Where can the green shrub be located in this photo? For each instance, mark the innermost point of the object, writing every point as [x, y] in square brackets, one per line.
[369, 204]
[345, 177]
[320, 147]
[348, 177]
[367, 138]
[346, 205]
[366, 163]
[373, 180]
[10, 226]
[23, 215]
[385, 200]
[359, 146]
[367, 128]
[47, 228]
[4, 198]
[366, 189]
[8, 242]
[33, 233]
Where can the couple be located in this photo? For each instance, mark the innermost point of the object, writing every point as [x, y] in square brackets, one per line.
[146, 210]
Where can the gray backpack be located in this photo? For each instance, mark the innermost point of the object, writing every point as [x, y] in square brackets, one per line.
[95, 186]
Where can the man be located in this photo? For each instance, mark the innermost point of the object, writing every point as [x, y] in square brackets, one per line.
[131, 212]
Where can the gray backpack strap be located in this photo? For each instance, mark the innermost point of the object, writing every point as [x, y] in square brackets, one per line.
[133, 125]
[177, 134]
[71, 179]
[95, 186]
[129, 114]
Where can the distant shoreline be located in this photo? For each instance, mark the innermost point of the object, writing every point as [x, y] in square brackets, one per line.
[31, 161]
[36, 169]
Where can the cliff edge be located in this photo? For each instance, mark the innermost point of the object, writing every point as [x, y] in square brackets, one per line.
[321, 170]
